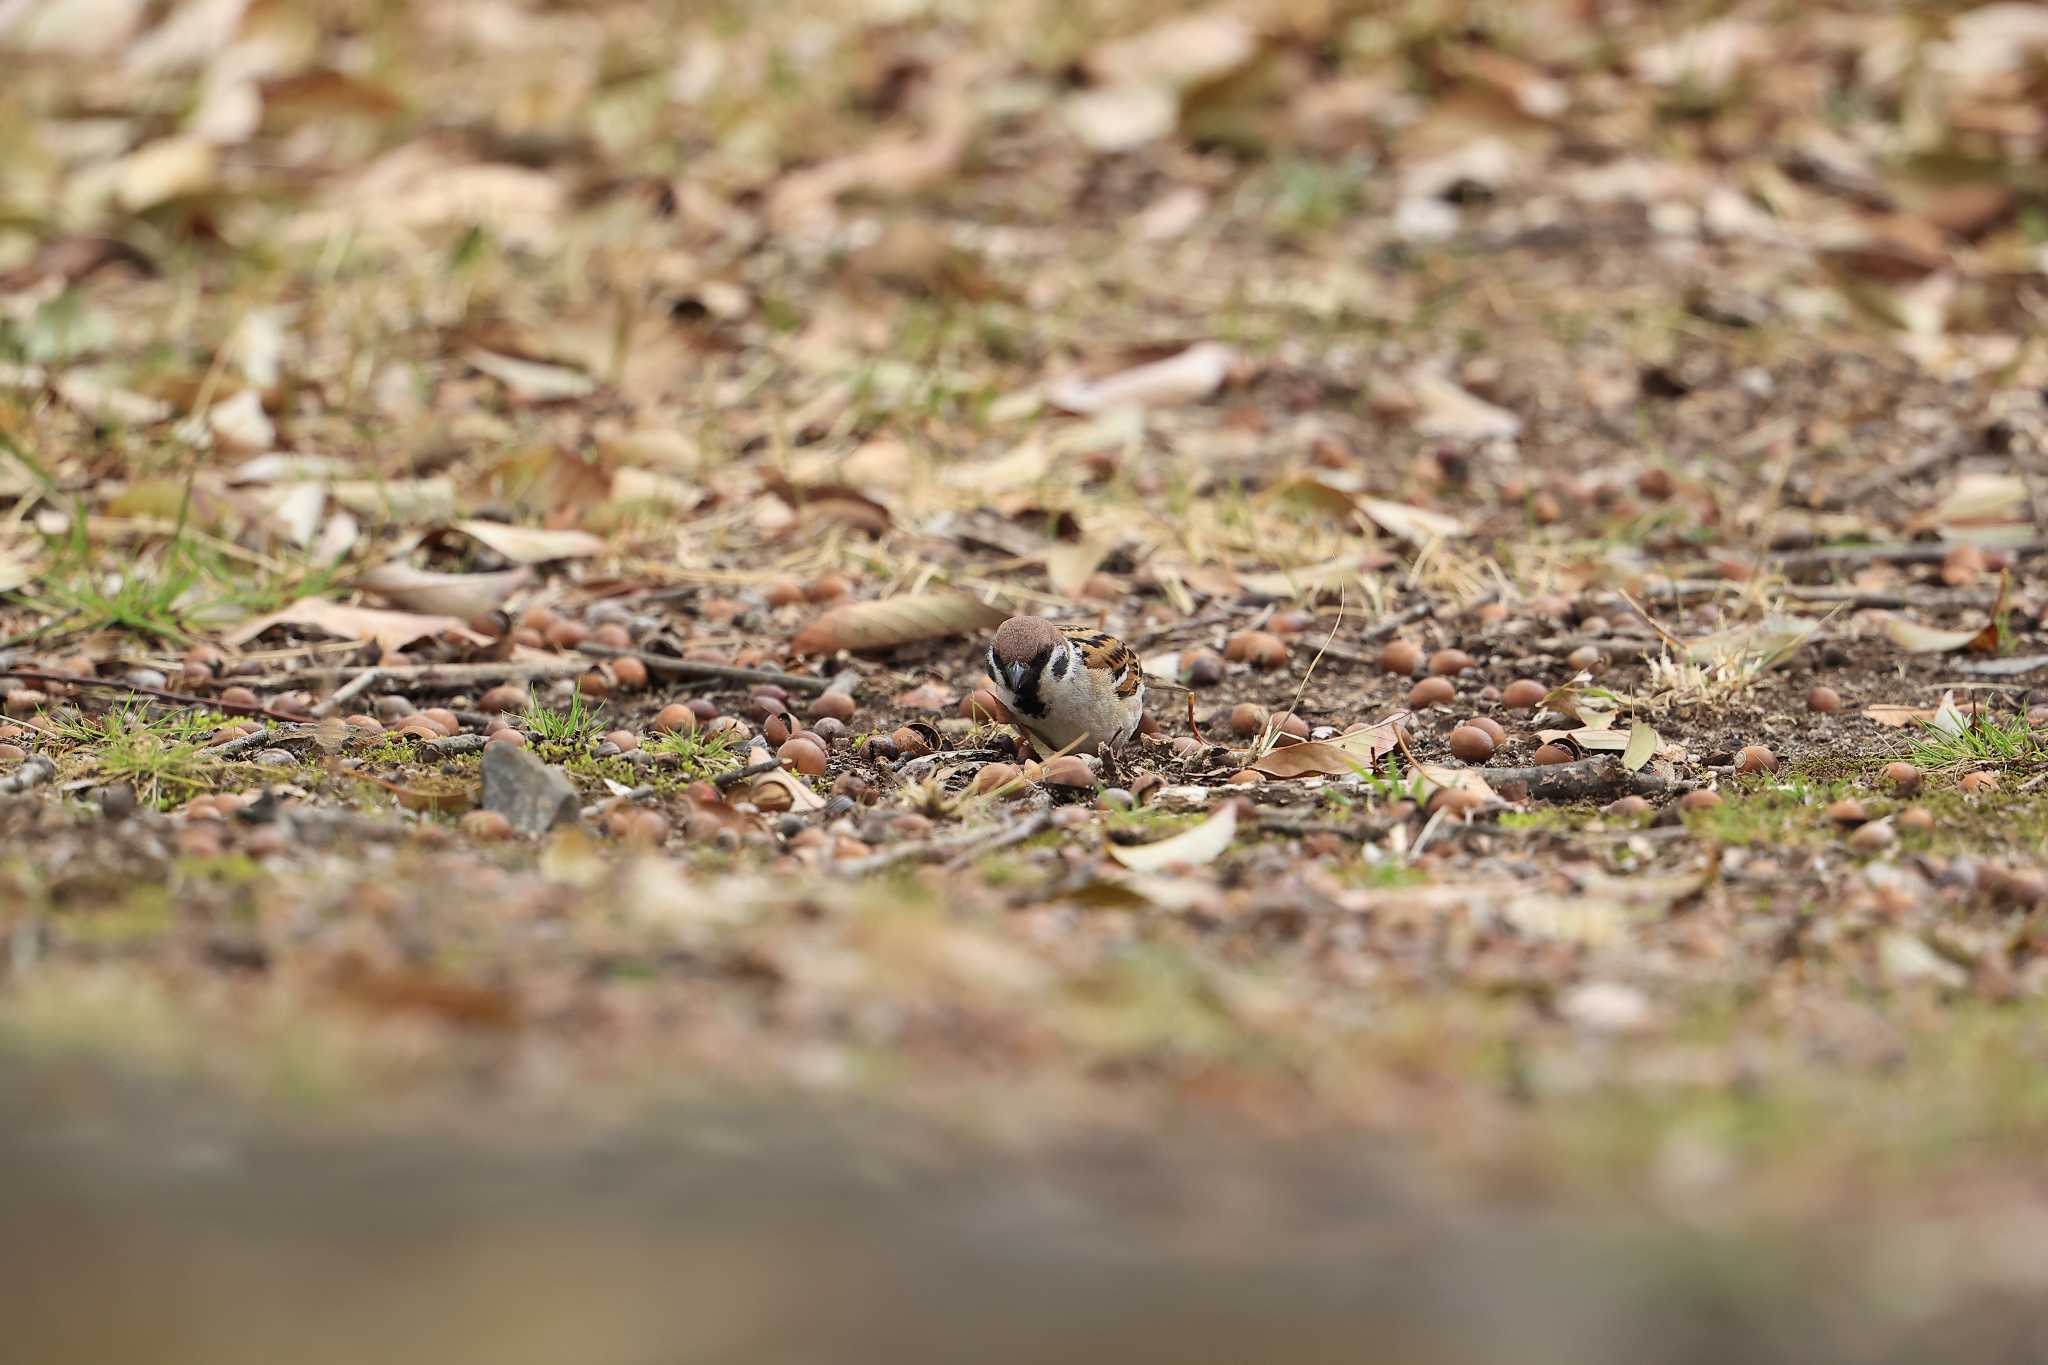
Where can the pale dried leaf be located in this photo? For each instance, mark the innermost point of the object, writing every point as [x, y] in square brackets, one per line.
[391, 630]
[459, 595]
[531, 544]
[1450, 413]
[532, 381]
[1643, 742]
[1914, 638]
[239, 424]
[896, 621]
[1188, 377]
[1416, 525]
[104, 401]
[801, 797]
[1121, 118]
[1203, 843]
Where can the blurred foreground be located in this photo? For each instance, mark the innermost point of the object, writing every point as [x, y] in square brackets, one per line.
[145, 1225]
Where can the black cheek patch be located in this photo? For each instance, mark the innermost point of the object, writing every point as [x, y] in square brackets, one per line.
[1059, 667]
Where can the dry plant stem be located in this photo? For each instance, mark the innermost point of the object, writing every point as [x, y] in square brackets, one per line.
[1856, 598]
[918, 767]
[726, 781]
[242, 744]
[1147, 638]
[153, 693]
[452, 677]
[455, 744]
[1613, 646]
[1930, 552]
[690, 668]
[972, 841]
[1582, 780]
[348, 692]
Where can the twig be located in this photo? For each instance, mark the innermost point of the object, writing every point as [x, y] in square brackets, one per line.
[1145, 639]
[916, 767]
[1588, 777]
[153, 693]
[726, 781]
[1414, 611]
[348, 691]
[1613, 646]
[453, 677]
[691, 668]
[1890, 476]
[455, 744]
[973, 840]
[242, 744]
[1855, 598]
[1917, 552]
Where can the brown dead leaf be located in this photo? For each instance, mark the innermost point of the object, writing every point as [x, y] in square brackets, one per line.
[901, 163]
[392, 630]
[1356, 752]
[71, 259]
[926, 697]
[861, 626]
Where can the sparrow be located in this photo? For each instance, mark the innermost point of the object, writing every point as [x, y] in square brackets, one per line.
[1067, 685]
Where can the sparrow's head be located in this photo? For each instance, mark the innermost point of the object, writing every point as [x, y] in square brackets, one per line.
[1024, 648]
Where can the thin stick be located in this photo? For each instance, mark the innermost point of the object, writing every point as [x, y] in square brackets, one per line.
[691, 668]
[972, 840]
[153, 693]
[1914, 553]
[241, 744]
[1588, 777]
[348, 692]
[726, 781]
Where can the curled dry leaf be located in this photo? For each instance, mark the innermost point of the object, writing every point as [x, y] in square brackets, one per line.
[1188, 377]
[533, 381]
[530, 544]
[392, 630]
[1339, 757]
[896, 621]
[1766, 643]
[1204, 843]
[801, 797]
[1642, 743]
[1416, 525]
[1451, 413]
[1989, 638]
[460, 595]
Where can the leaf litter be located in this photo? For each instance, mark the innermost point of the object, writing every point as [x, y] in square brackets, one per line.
[691, 422]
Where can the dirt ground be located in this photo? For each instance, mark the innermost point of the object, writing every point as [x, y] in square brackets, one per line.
[501, 510]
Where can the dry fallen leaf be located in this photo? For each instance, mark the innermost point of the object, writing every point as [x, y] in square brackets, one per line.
[1204, 843]
[459, 595]
[531, 544]
[1339, 757]
[1188, 377]
[392, 630]
[533, 381]
[895, 621]
[1416, 525]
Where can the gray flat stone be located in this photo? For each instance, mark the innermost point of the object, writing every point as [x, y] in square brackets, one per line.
[526, 791]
